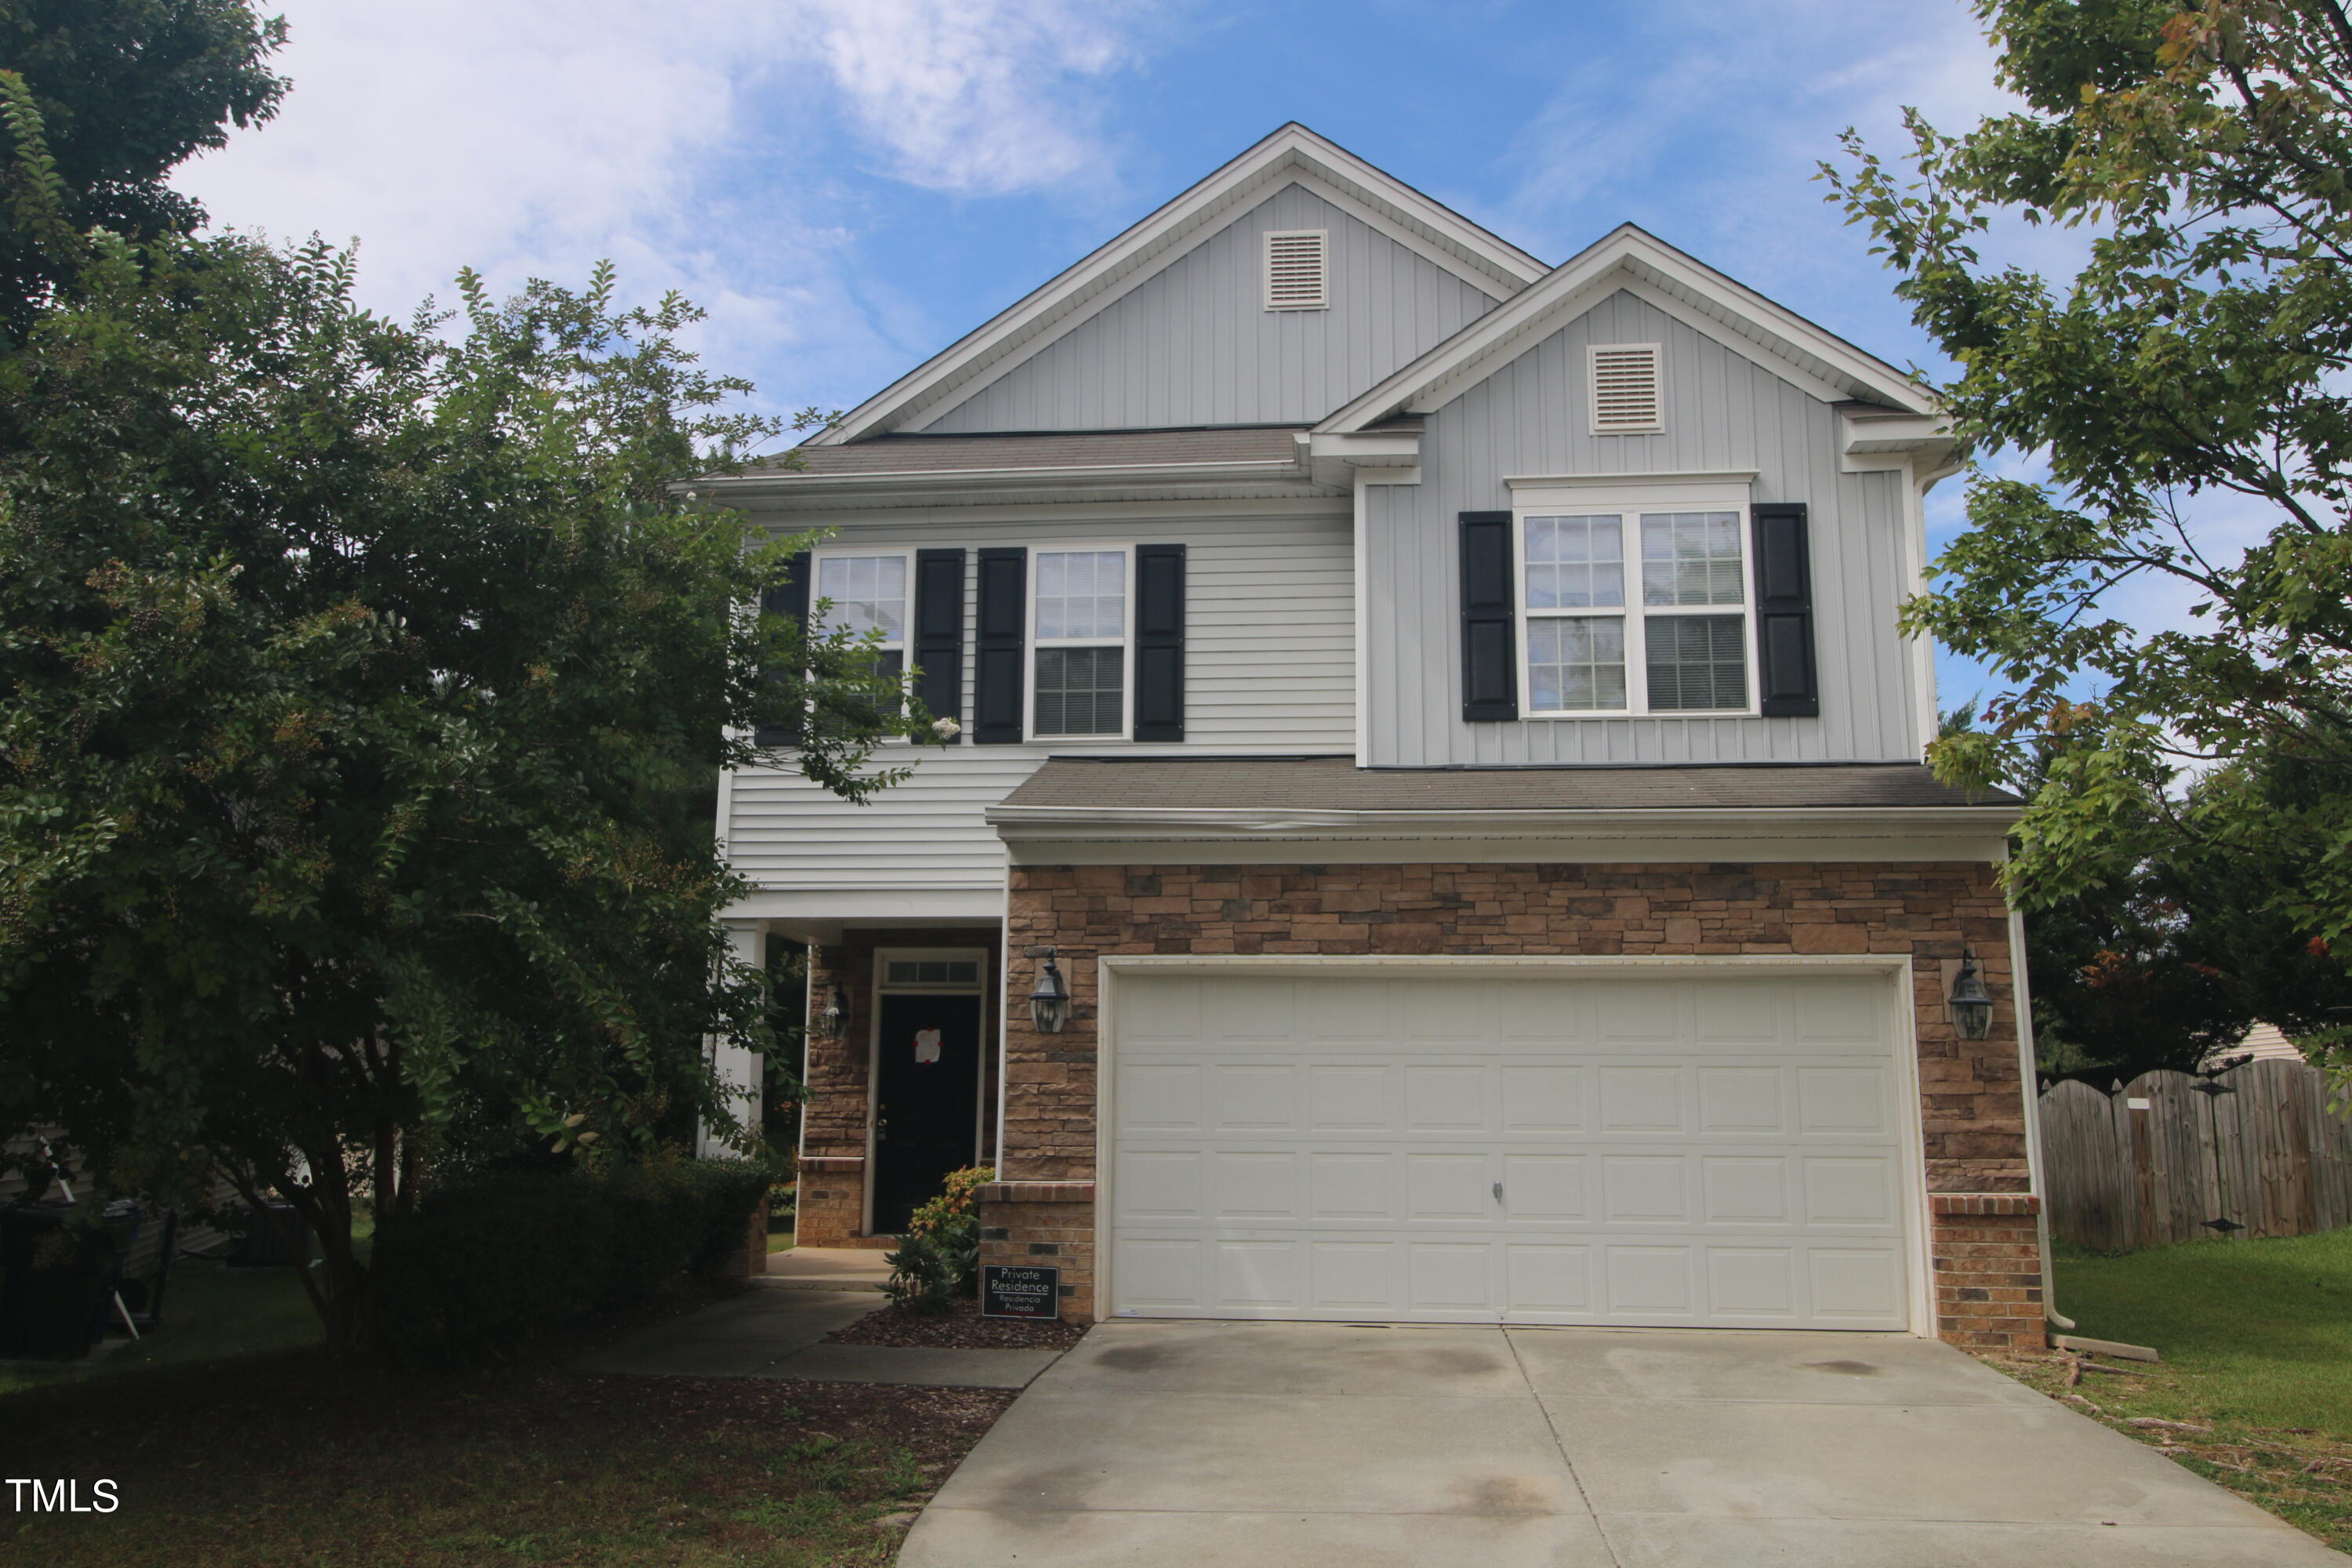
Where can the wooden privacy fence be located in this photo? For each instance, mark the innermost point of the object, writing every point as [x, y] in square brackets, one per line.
[2252, 1151]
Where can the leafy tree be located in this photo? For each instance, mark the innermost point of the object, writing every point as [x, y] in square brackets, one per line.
[127, 89]
[2168, 964]
[2194, 364]
[357, 683]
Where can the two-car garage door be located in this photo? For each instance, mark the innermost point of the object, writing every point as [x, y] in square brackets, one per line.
[1703, 1152]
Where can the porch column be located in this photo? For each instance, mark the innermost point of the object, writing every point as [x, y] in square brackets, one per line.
[738, 1068]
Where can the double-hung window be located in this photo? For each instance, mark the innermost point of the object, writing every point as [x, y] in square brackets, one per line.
[868, 592]
[1629, 610]
[1078, 608]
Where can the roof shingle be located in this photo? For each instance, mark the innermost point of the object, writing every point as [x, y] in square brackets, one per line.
[1059, 450]
[1336, 783]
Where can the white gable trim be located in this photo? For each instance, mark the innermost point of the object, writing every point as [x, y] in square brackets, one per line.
[1292, 154]
[1692, 292]
[1313, 182]
[939, 399]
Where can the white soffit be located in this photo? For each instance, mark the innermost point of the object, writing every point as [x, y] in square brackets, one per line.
[1293, 155]
[1682, 287]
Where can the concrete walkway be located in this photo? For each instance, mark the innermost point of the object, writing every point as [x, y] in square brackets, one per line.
[823, 1268]
[1313, 1446]
[779, 1333]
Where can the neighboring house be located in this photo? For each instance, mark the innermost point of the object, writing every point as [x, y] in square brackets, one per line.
[2263, 1042]
[1447, 718]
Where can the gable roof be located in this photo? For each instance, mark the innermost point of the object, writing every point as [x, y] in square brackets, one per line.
[1293, 155]
[1640, 263]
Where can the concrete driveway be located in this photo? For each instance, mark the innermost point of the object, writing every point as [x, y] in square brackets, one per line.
[1310, 1445]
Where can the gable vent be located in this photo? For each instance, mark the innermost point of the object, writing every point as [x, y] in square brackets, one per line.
[1627, 398]
[1296, 277]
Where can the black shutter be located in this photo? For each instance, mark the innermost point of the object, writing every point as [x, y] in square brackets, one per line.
[1490, 659]
[997, 685]
[939, 633]
[789, 598]
[1158, 642]
[1785, 675]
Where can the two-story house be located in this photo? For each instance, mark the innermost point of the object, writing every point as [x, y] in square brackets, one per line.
[1444, 718]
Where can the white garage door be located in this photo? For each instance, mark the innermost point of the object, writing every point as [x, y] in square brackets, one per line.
[1711, 1153]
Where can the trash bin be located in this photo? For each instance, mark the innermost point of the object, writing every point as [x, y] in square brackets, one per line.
[59, 1276]
[273, 1238]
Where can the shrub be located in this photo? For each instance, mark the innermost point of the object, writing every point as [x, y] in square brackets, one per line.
[954, 1200]
[921, 1277]
[939, 1256]
[482, 1267]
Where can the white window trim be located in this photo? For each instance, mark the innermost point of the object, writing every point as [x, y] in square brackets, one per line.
[1323, 278]
[1628, 505]
[1592, 352]
[886, 956]
[905, 643]
[817, 559]
[1124, 642]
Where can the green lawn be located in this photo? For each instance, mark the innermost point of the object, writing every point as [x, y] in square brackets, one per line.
[211, 1313]
[2256, 1338]
[2258, 1333]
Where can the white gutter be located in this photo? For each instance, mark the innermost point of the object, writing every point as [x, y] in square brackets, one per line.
[801, 483]
[2029, 1070]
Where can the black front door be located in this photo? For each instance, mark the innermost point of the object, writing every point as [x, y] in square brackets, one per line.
[926, 1101]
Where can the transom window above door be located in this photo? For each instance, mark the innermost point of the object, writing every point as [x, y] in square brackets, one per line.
[867, 593]
[1078, 664]
[1635, 612]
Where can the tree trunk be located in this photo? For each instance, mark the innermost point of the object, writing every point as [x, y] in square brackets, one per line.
[349, 1311]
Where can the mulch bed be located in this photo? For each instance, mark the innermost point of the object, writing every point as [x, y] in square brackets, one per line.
[960, 1328]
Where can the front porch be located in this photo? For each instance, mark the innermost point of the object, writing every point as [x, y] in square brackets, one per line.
[900, 1073]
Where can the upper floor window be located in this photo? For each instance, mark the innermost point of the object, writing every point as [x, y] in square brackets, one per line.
[1079, 655]
[867, 593]
[1675, 643]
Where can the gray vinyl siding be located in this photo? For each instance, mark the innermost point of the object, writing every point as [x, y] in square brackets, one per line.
[1195, 344]
[1269, 667]
[1723, 412]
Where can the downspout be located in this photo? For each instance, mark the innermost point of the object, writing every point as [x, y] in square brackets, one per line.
[2029, 1077]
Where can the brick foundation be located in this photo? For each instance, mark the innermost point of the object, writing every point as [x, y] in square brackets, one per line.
[830, 1210]
[1972, 1102]
[1986, 1251]
[753, 1259]
[1048, 1224]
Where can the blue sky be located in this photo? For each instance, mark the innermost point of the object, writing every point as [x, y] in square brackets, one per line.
[850, 185]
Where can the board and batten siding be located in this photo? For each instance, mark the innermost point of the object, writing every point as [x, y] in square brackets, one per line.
[1269, 666]
[1723, 412]
[1195, 344]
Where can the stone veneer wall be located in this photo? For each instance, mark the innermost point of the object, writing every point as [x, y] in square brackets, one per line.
[1972, 1103]
[830, 1206]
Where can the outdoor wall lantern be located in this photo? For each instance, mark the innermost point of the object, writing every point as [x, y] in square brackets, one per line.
[836, 1008]
[1049, 1004]
[1971, 1003]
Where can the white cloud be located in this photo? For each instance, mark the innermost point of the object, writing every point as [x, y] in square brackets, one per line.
[970, 96]
[1713, 141]
[695, 145]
